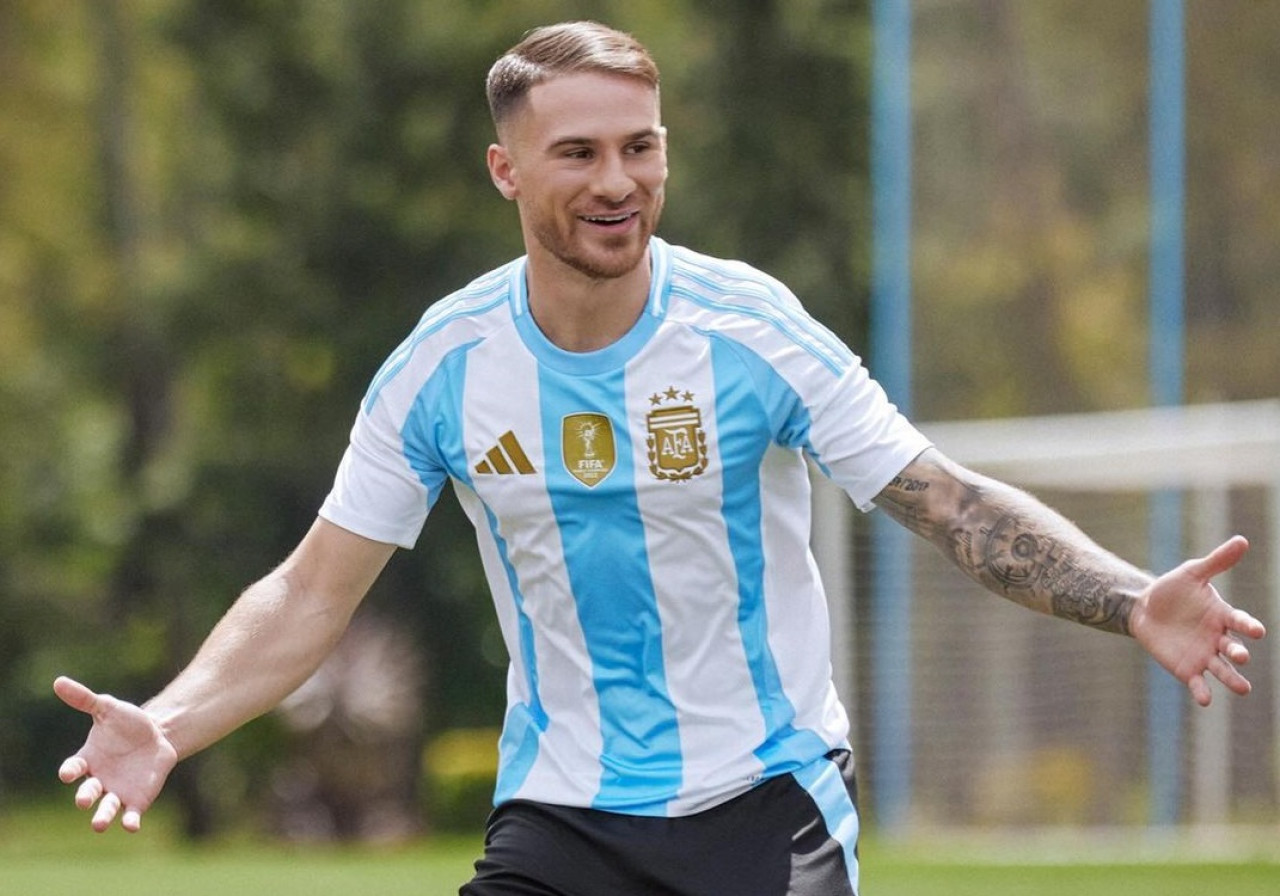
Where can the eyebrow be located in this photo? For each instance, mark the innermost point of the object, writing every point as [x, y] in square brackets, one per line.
[645, 134]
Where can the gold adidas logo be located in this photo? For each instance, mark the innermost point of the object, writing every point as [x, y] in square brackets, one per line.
[505, 458]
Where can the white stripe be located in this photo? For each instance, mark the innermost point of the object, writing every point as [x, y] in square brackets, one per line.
[696, 589]
[572, 742]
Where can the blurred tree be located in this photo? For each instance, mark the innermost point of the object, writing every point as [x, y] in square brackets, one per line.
[1032, 204]
[1233, 216]
[59, 503]
[1030, 197]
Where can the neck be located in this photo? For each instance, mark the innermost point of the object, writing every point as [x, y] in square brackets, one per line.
[580, 313]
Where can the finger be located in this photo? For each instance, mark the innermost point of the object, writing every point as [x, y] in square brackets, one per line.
[1233, 650]
[72, 767]
[1229, 675]
[1200, 690]
[1243, 624]
[1220, 559]
[106, 813]
[131, 820]
[74, 694]
[88, 793]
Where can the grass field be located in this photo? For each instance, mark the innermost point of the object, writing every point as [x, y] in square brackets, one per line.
[51, 852]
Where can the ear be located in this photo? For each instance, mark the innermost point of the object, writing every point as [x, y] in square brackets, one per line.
[502, 171]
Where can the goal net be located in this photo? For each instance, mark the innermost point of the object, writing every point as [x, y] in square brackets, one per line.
[1014, 718]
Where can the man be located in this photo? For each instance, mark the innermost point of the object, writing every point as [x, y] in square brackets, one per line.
[626, 424]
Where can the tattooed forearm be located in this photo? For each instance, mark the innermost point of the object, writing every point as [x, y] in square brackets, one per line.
[1079, 584]
[1013, 544]
[1104, 610]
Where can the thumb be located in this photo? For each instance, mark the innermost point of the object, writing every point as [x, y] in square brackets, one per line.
[1220, 559]
[75, 695]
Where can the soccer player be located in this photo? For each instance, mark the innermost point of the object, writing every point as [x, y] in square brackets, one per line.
[626, 423]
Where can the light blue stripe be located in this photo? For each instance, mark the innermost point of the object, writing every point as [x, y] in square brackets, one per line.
[522, 729]
[608, 567]
[433, 444]
[823, 782]
[753, 408]
[436, 414]
[517, 750]
[742, 420]
[785, 416]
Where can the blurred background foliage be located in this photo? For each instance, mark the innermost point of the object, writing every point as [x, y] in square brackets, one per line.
[216, 219]
[1032, 204]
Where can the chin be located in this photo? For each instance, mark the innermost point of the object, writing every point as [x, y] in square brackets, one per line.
[608, 265]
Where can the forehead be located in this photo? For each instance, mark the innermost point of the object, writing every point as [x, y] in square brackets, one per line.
[589, 106]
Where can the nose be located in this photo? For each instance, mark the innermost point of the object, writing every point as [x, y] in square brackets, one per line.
[613, 182]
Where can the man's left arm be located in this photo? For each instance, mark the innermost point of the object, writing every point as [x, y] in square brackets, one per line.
[1016, 546]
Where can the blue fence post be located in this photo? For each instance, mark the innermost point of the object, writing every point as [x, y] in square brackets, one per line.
[1165, 696]
[891, 359]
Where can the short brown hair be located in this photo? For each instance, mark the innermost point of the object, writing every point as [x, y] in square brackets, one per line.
[562, 49]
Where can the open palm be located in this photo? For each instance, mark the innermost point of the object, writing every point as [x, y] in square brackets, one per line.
[1191, 631]
[124, 761]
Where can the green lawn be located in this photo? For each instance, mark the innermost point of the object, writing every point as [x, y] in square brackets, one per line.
[890, 877]
[51, 852]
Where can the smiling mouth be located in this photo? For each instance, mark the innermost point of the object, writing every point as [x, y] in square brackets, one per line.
[609, 220]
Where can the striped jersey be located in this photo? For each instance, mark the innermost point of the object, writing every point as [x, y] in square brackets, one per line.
[642, 514]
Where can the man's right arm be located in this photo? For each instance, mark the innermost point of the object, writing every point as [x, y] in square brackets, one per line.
[273, 637]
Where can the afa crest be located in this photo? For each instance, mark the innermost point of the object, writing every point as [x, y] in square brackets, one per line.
[676, 441]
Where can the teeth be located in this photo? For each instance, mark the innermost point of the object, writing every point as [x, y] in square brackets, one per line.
[600, 219]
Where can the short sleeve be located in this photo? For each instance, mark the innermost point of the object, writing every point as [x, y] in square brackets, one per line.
[376, 493]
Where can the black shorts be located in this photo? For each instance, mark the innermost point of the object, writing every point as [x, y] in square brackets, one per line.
[794, 835]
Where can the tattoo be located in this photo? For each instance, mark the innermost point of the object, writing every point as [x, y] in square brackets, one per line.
[909, 514]
[1013, 544]
[907, 484]
[1106, 611]
[1018, 559]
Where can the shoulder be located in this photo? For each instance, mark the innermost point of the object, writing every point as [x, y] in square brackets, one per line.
[741, 304]
[482, 303]
[706, 278]
[462, 318]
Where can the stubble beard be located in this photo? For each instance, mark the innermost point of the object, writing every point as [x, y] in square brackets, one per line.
[617, 258]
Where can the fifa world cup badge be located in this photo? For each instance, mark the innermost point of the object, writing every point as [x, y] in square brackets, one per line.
[588, 446]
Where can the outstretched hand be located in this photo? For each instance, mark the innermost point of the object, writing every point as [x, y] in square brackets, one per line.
[1191, 631]
[124, 761]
